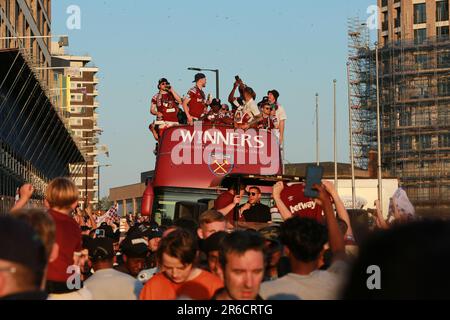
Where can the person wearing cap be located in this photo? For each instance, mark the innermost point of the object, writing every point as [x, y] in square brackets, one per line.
[268, 121]
[195, 104]
[213, 116]
[134, 251]
[280, 114]
[274, 252]
[164, 106]
[107, 283]
[154, 235]
[242, 265]
[23, 260]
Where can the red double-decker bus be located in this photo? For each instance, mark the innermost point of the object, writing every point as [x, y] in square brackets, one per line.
[192, 162]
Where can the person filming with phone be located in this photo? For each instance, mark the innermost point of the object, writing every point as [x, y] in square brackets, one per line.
[254, 210]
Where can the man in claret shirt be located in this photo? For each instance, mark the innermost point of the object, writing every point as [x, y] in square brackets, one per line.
[164, 105]
[195, 104]
[267, 121]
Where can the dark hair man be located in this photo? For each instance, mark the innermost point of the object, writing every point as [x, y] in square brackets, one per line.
[267, 121]
[254, 210]
[242, 264]
[195, 104]
[179, 276]
[250, 111]
[211, 247]
[134, 251]
[280, 114]
[304, 241]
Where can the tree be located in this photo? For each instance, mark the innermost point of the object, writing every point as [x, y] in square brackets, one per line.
[105, 204]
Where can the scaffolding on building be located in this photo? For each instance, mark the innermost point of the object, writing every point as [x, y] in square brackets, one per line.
[362, 92]
[415, 113]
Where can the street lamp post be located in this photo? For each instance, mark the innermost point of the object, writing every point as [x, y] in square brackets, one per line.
[98, 181]
[217, 78]
[380, 176]
[317, 130]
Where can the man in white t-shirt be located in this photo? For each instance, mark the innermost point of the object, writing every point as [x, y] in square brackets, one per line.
[251, 115]
[107, 283]
[281, 116]
[304, 240]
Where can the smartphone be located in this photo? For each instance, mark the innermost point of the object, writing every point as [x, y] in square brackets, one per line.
[314, 175]
[100, 233]
[122, 226]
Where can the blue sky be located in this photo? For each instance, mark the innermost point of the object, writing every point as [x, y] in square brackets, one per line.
[297, 47]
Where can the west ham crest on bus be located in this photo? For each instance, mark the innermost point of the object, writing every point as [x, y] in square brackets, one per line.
[220, 164]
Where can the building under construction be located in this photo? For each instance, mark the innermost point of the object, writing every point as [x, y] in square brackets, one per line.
[414, 92]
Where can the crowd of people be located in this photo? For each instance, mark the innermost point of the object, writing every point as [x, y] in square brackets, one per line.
[61, 252]
[244, 112]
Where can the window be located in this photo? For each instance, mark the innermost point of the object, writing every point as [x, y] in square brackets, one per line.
[442, 10]
[405, 143]
[398, 18]
[76, 97]
[120, 208]
[423, 142]
[443, 59]
[76, 122]
[130, 206]
[420, 13]
[443, 87]
[139, 205]
[423, 118]
[405, 119]
[419, 89]
[442, 33]
[422, 61]
[420, 35]
[385, 24]
[444, 140]
[443, 115]
[77, 109]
